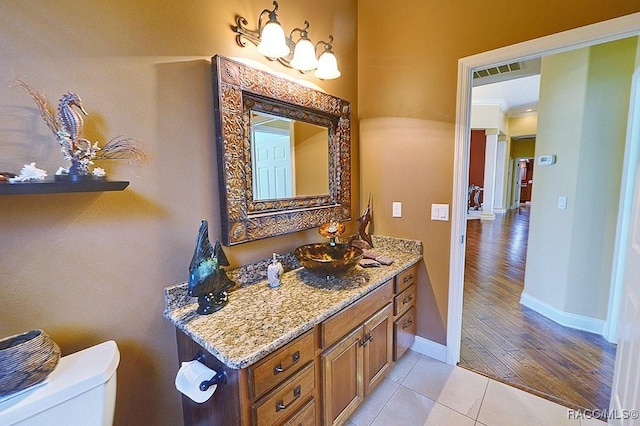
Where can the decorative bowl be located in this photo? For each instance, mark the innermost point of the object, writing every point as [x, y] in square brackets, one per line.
[25, 360]
[328, 259]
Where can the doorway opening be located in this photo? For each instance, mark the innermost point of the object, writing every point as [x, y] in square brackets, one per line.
[587, 36]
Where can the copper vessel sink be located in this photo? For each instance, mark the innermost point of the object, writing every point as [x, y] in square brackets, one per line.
[328, 258]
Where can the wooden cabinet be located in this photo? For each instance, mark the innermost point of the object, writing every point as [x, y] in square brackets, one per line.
[404, 333]
[343, 387]
[321, 376]
[377, 348]
[306, 416]
[404, 302]
[336, 327]
[354, 365]
[282, 388]
[280, 365]
[284, 401]
[360, 353]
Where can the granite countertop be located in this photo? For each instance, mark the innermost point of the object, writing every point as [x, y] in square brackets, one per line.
[258, 319]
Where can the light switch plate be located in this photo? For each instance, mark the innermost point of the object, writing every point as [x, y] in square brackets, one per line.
[562, 202]
[440, 212]
[397, 209]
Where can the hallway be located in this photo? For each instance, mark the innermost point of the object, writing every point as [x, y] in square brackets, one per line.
[513, 344]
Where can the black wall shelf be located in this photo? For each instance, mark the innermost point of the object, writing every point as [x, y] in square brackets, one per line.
[52, 187]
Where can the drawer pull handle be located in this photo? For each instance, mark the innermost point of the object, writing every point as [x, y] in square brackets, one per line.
[407, 323]
[407, 278]
[368, 338]
[280, 405]
[407, 299]
[294, 358]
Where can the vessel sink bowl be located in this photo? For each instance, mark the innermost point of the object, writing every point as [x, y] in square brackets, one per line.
[328, 259]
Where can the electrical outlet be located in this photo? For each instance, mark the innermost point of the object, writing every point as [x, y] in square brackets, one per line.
[397, 209]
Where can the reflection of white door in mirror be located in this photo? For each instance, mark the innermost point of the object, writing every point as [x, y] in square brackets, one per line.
[271, 164]
[271, 157]
[289, 158]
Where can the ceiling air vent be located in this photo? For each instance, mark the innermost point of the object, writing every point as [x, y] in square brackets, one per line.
[502, 69]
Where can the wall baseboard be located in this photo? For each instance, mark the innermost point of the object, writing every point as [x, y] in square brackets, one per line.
[567, 319]
[430, 348]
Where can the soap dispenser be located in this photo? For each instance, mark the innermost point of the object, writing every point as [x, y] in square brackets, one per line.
[274, 272]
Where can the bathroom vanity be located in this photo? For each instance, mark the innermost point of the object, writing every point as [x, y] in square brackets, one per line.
[307, 352]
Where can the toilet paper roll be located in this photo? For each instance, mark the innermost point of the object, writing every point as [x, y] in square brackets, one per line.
[189, 377]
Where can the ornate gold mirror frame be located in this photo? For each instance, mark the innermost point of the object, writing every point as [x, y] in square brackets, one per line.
[238, 90]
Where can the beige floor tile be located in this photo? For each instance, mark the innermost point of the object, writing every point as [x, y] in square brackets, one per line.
[373, 403]
[453, 387]
[403, 366]
[506, 405]
[408, 408]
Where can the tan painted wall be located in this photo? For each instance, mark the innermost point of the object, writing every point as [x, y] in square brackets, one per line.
[584, 99]
[407, 67]
[311, 160]
[91, 267]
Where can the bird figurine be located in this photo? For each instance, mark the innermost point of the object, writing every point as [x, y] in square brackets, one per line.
[207, 280]
[365, 220]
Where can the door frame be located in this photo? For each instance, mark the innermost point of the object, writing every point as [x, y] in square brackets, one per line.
[611, 30]
[629, 167]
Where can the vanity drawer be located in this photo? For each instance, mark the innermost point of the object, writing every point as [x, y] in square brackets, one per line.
[352, 316]
[406, 278]
[286, 399]
[280, 365]
[305, 417]
[404, 300]
[404, 333]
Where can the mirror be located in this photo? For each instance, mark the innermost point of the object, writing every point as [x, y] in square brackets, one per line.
[289, 158]
[258, 117]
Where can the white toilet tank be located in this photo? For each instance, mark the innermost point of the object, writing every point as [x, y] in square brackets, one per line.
[80, 391]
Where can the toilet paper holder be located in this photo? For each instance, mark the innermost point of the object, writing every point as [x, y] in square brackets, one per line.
[219, 379]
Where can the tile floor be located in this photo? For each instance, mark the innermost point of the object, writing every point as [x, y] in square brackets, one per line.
[422, 391]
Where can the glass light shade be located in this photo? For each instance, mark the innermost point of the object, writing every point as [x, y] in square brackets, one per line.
[304, 56]
[272, 41]
[327, 66]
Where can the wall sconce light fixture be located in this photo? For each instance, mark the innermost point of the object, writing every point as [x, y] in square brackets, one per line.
[271, 41]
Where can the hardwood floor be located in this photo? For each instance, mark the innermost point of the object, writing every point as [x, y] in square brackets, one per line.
[513, 344]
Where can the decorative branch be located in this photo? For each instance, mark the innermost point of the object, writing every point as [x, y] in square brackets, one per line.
[122, 147]
[43, 106]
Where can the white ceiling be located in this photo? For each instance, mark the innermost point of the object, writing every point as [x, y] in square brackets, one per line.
[514, 96]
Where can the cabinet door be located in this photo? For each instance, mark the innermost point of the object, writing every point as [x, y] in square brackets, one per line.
[343, 388]
[378, 347]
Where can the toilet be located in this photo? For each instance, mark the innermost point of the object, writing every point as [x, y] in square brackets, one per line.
[80, 391]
